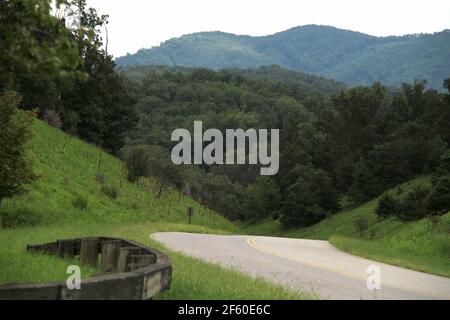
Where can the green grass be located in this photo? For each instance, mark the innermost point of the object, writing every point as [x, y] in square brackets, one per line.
[421, 245]
[69, 170]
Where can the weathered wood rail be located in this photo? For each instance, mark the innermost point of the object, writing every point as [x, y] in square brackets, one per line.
[130, 271]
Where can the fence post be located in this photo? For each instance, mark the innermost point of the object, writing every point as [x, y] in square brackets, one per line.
[89, 251]
[190, 212]
[65, 248]
[110, 255]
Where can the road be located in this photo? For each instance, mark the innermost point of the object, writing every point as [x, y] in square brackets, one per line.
[312, 266]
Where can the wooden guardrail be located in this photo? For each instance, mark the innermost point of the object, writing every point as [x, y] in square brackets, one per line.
[130, 271]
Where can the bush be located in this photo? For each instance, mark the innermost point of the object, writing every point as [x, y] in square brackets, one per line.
[110, 191]
[387, 206]
[137, 160]
[20, 217]
[410, 208]
[80, 202]
[361, 225]
[16, 170]
[438, 201]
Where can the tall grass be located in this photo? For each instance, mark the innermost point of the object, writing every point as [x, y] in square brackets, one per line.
[77, 181]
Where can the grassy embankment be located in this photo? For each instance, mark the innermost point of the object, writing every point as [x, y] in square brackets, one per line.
[421, 245]
[74, 196]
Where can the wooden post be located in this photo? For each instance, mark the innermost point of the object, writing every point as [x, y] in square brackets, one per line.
[110, 255]
[124, 258]
[89, 251]
[190, 212]
[65, 248]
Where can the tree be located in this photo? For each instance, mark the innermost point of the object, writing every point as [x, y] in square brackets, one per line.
[15, 129]
[58, 61]
[310, 199]
[33, 42]
[442, 168]
[438, 201]
[387, 207]
[137, 160]
[262, 198]
[103, 101]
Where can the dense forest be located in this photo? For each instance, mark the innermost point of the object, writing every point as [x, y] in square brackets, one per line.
[351, 57]
[338, 146]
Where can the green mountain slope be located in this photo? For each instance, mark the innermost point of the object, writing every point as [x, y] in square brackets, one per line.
[351, 57]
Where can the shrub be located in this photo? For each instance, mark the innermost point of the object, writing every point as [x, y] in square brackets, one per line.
[387, 207]
[20, 217]
[438, 201]
[412, 207]
[110, 191]
[361, 225]
[443, 168]
[137, 160]
[16, 170]
[80, 202]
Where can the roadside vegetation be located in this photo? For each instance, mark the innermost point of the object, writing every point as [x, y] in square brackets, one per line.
[69, 169]
[422, 245]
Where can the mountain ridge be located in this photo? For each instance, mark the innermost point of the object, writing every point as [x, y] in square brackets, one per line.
[351, 57]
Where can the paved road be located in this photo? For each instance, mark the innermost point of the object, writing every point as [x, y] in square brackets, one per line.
[307, 266]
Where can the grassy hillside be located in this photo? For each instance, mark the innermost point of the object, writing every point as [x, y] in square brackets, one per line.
[351, 57]
[421, 245]
[74, 197]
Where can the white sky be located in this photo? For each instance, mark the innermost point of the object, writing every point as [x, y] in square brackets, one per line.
[136, 24]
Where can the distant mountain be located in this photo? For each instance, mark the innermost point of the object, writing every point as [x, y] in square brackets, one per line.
[347, 56]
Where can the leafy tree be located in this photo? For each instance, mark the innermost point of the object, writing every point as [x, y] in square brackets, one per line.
[15, 129]
[387, 207]
[33, 42]
[59, 62]
[103, 102]
[443, 167]
[310, 199]
[438, 201]
[137, 160]
[262, 198]
[413, 206]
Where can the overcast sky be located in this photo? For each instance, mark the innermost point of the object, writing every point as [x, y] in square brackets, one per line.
[136, 24]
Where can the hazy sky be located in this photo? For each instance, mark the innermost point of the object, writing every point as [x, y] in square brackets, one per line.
[136, 24]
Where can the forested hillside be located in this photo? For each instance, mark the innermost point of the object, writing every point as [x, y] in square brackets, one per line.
[347, 147]
[351, 57]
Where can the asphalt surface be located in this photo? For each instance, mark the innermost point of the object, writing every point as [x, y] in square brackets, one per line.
[310, 266]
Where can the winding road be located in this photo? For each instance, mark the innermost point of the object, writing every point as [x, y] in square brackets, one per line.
[311, 266]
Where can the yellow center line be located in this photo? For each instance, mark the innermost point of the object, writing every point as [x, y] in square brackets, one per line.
[252, 243]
